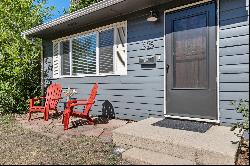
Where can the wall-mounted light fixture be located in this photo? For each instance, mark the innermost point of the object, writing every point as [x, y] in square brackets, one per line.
[153, 16]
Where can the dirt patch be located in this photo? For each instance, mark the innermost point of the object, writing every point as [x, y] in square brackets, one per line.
[27, 147]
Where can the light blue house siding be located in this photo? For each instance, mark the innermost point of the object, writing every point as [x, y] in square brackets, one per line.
[140, 94]
[234, 56]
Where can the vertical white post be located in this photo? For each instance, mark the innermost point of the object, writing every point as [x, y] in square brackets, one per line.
[114, 50]
[218, 59]
[59, 61]
[70, 57]
[126, 48]
[97, 53]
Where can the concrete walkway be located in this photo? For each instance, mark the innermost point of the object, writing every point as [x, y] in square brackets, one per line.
[216, 146]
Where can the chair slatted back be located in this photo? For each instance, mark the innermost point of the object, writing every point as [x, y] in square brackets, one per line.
[54, 91]
[91, 98]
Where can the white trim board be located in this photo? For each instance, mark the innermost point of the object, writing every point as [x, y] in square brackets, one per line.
[194, 119]
[99, 29]
[217, 51]
[218, 58]
[186, 6]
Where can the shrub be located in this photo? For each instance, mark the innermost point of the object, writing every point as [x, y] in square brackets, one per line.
[242, 107]
[19, 57]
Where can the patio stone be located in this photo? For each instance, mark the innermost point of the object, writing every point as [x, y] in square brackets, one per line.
[94, 133]
[54, 127]
[112, 124]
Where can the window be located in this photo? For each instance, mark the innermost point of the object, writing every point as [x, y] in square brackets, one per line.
[106, 50]
[65, 57]
[99, 52]
[84, 55]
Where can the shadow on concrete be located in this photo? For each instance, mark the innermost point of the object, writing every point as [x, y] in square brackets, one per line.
[84, 122]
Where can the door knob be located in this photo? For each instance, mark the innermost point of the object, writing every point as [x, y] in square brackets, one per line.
[168, 67]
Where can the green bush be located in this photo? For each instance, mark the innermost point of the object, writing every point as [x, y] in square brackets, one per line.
[19, 58]
[242, 107]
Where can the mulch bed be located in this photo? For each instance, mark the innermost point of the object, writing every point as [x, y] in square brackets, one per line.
[243, 156]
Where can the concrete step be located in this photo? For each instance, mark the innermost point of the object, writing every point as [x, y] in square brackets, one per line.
[217, 146]
[145, 157]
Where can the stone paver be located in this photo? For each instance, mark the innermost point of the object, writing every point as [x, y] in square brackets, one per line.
[94, 133]
[54, 127]
[112, 124]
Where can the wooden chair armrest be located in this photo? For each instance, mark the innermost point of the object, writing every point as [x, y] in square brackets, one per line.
[76, 101]
[56, 98]
[73, 103]
[91, 102]
[70, 102]
[77, 104]
[82, 100]
[32, 101]
[39, 98]
[81, 104]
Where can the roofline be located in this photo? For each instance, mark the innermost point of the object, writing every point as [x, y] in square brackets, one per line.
[87, 10]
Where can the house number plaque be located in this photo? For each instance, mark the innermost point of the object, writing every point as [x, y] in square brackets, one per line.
[148, 45]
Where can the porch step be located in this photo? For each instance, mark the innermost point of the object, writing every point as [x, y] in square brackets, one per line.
[145, 157]
[216, 146]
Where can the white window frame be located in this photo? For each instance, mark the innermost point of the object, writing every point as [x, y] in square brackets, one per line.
[125, 45]
[96, 31]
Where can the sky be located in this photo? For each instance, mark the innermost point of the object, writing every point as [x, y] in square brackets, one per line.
[60, 6]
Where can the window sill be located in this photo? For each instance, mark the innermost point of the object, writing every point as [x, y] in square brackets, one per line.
[83, 76]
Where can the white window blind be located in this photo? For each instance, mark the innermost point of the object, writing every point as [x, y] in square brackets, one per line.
[65, 57]
[106, 43]
[84, 55]
[56, 61]
[95, 53]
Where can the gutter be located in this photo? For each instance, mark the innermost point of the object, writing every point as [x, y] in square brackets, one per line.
[90, 9]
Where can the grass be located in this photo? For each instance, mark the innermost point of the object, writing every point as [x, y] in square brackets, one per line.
[22, 146]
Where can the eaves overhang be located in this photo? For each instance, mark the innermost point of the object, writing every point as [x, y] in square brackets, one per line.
[103, 10]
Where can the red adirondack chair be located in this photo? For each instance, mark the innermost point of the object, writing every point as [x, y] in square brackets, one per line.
[52, 97]
[87, 107]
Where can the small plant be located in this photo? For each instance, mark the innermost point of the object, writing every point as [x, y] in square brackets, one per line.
[242, 107]
[69, 93]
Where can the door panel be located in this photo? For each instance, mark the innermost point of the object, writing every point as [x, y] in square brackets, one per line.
[191, 62]
[190, 56]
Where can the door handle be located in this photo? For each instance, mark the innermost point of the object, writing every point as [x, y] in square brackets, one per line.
[168, 67]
